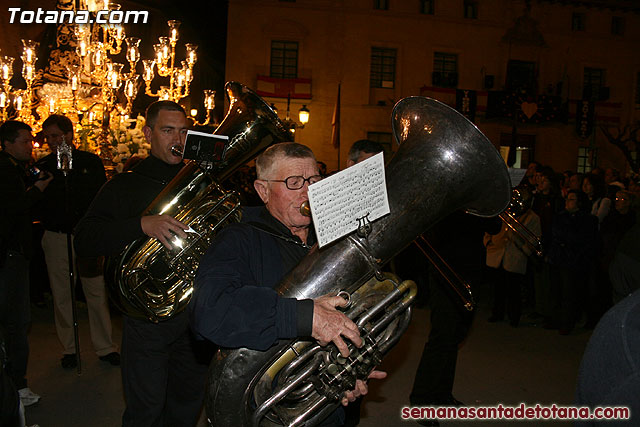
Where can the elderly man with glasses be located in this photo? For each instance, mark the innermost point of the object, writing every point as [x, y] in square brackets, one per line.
[234, 303]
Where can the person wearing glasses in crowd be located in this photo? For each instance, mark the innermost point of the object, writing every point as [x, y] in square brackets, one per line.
[234, 304]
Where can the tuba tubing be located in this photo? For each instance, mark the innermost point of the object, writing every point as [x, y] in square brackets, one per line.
[444, 163]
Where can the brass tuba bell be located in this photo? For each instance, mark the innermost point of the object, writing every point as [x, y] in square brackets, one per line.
[444, 163]
[148, 281]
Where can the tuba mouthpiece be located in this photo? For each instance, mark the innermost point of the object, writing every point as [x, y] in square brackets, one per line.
[176, 150]
[305, 208]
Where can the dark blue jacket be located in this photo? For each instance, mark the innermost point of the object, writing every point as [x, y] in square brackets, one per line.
[574, 241]
[234, 304]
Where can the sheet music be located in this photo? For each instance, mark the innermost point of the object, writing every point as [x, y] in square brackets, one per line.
[339, 201]
[516, 176]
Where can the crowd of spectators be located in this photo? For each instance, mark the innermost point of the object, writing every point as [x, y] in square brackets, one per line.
[583, 220]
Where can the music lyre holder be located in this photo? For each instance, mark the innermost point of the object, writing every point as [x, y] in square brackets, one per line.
[361, 243]
[64, 156]
[364, 226]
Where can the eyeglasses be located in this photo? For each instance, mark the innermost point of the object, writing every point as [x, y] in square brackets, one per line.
[297, 182]
[620, 199]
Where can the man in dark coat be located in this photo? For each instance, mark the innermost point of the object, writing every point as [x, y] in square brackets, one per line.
[19, 195]
[65, 202]
[163, 368]
[234, 303]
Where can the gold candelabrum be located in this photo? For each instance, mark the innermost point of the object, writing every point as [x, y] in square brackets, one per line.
[96, 86]
[94, 45]
[164, 62]
[23, 100]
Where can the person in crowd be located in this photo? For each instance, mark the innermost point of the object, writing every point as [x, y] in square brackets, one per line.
[507, 255]
[594, 187]
[572, 250]
[362, 150]
[19, 192]
[234, 303]
[575, 182]
[612, 177]
[163, 366]
[547, 202]
[530, 176]
[322, 168]
[566, 182]
[620, 220]
[458, 239]
[65, 201]
[598, 171]
[241, 181]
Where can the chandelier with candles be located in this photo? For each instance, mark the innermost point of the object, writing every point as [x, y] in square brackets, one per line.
[98, 93]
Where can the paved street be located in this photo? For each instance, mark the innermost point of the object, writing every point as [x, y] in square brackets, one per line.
[497, 364]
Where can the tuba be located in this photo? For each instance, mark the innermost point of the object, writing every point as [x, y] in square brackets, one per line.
[444, 163]
[147, 280]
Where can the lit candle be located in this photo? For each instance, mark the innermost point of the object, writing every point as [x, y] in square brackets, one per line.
[97, 58]
[82, 48]
[52, 105]
[27, 72]
[148, 69]
[130, 88]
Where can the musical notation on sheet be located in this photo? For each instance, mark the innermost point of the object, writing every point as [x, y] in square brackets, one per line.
[340, 200]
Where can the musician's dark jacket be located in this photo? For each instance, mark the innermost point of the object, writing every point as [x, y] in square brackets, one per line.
[113, 218]
[234, 304]
[112, 222]
[18, 199]
[84, 180]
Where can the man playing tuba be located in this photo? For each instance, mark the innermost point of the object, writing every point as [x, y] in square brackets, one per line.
[163, 368]
[234, 303]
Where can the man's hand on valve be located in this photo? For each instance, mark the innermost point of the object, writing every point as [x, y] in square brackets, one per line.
[161, 228]
[361, 387]
[329, 324]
